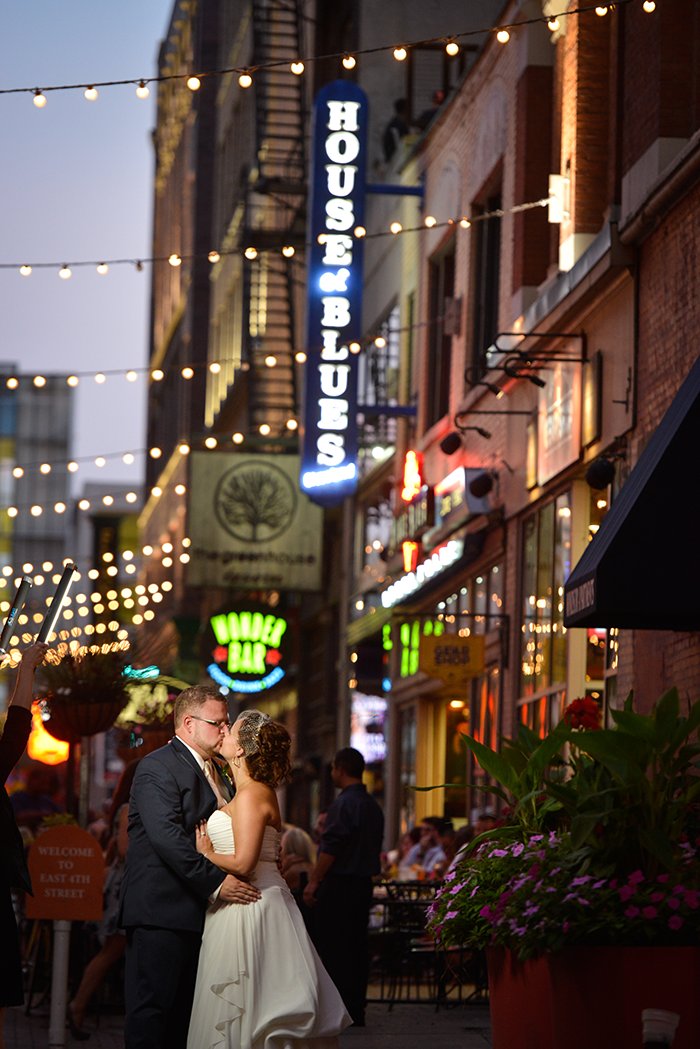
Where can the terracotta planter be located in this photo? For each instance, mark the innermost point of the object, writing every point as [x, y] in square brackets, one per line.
[520, 1000]
[598, 994]
[71, 721]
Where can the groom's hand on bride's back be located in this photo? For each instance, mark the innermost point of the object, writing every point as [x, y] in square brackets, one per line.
[233, 890]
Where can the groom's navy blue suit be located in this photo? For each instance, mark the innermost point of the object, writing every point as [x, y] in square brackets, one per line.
[166, 887]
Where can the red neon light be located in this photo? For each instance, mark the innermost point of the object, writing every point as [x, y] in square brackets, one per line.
[410, 555]
[412, 479]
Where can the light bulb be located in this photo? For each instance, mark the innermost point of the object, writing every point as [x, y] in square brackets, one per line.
[601, 11]
[194, 83]
[503, 36]
[107, 500]
[452, 48]
[155, 453]
[128, 458]
[288, 251]
[45, 468]
[39, 381]
[399, 53]
[142, 91]
[270, 361]
[12, 511]
[84, 504]
[100, 461]
[245, 80]
[210, 442]
[215, 368]
[102, 269]
[321, 238]
[396, 227]
[36, 511]
[12, 383]
[175, 260]
[39, 99]
[180, 489]
[360, 231]
[380, 341]
[60, 508]
[430, 221]
[131, 376]
[18, 472]
[354, 347]
[72, 380]
[64, 272]
[349, 62]
[553, 24]
[157, 375]
[300, 357]
[91, 94]
[250, 253]
[156, 491]
[649, 6]
[297, 68]
[131, 497]
[213, 256]
[187, 373]
[100, 378]
[237, 438]
[292, 424]
[465, 223]
[25, 270]
[264, 429]
[73, 467]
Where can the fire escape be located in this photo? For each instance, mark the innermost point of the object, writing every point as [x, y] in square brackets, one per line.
[275, 218]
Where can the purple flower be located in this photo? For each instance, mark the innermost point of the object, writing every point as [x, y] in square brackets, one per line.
[451, 876]
[485, 912]
[678, 890]
[455, 889]
[626, 891]
[675, 922]
[474, 891]
[537, 837]
[451, 914]
[566, 926]
[657, 897]
[691, 899]
[581, 881]
[599, 884]
[674, 903]
[636, 879]
[517, 849]
[650, 912]
[662, 878]
[632, 912]
[499, 852]
[530, 911]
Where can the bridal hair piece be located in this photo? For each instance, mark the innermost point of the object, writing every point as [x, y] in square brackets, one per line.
[249, 724]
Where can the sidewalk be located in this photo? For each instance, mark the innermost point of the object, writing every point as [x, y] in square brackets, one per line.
[417, 1026]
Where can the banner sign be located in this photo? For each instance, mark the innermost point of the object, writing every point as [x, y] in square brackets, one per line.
[250, 527]
[334, 297]
[452, 658]
[67, 870]
[249, 647]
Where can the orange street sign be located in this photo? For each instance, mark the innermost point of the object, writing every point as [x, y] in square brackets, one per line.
[452, 658]
[67, 869]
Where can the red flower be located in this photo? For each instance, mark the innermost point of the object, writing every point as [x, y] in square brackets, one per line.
[583, 712]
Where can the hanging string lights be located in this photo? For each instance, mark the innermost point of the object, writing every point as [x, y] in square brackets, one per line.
[400, 52]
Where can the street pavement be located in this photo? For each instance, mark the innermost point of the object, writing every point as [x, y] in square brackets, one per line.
[409, 1025]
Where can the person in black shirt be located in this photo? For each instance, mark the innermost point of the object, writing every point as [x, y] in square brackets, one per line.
[340, 887]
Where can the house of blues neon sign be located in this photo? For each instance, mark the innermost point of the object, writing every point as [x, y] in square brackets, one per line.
[334, 302]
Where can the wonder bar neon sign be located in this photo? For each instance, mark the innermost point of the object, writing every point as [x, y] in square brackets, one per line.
[334, 301]
[248, 644]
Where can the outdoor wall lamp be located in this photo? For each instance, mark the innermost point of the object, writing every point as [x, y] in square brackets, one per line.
[453, 441]
[601, 472]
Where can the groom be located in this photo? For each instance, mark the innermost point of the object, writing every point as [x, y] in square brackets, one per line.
[167, 883]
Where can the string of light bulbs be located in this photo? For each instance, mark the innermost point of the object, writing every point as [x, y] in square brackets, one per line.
[349, 58]
[251, 253]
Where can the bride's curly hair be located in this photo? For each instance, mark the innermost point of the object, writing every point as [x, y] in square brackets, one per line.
[270, 764]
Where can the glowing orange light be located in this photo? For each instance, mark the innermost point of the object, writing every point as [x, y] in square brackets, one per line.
[412, 480]
[42, 746]
[410, 555]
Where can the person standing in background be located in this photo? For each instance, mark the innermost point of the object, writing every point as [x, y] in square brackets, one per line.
[340, 886]
[14, 873]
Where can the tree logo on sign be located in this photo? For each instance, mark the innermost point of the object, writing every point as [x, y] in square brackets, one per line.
[255, 503]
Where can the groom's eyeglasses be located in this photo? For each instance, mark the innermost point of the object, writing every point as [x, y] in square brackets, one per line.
[225, 722]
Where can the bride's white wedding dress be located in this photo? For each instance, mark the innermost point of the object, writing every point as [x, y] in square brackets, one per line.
[260, 982]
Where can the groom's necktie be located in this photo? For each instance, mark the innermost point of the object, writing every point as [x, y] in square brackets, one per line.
[210, 773]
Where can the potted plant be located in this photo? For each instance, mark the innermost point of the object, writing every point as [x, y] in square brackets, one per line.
[595, 876]
[84, 692]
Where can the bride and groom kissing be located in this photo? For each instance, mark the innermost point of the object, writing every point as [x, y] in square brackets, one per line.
[217, 951]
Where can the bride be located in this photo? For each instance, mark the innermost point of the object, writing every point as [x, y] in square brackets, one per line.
[260, 983]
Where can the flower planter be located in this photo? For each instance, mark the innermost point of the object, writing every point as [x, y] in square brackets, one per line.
[71, 721]
[598, 994]
[520, 1000]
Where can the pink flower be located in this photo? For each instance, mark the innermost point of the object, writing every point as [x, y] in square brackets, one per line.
[485, 912]
[566, 926]
[657, 897]
[650, 912]
[632, 912]
[626, 891]
[636, 878]
[691, 899]
[663, 878]
[675, 922]
[451, 914]
[678, 890]
[674, 903]
[599, 884]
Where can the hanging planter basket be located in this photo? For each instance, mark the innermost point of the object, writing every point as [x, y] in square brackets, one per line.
[71, 721]
[85, 693]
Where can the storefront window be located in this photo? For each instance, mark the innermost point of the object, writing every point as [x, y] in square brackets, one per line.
[456, 760]
[407, 774]
[547, 562]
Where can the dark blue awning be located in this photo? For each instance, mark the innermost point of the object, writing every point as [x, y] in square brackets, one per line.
[642, 568]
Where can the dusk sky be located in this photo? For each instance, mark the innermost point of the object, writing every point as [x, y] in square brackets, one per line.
[76, 183]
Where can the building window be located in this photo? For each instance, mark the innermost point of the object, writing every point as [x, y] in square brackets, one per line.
[378, 384]
[546, 567]
[407, 773]
[486, 283]
[441, 288]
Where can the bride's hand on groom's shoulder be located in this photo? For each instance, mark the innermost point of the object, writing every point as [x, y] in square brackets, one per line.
[202, 840]
[233, 890]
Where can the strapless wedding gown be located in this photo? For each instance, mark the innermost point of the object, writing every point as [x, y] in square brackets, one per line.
[260, 982]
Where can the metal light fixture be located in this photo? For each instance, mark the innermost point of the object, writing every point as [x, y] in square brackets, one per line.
[482, 484]
[451, 443]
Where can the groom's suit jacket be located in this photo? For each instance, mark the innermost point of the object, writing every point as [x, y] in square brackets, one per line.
[167, 883]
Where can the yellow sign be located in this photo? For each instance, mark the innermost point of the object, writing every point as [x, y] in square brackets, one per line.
[452, 658]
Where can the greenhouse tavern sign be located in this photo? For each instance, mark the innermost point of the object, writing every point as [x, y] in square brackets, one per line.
[334, 298]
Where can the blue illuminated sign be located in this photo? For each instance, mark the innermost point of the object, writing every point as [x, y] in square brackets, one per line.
[334, 298]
